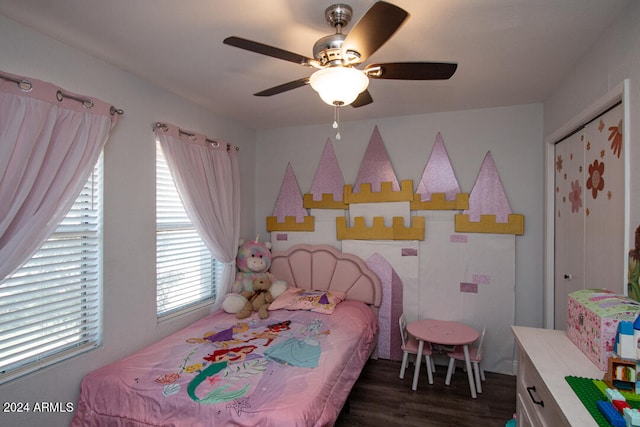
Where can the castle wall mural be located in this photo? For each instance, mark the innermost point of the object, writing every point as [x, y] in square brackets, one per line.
[443, 253]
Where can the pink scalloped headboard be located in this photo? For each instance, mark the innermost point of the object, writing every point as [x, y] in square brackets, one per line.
[324, 267]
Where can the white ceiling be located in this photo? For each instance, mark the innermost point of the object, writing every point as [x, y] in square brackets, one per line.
[508, 51]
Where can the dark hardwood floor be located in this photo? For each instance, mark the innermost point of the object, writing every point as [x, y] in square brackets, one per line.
[381, 398]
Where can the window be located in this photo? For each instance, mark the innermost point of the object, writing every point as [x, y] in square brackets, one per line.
[50, 309]
[186, 271]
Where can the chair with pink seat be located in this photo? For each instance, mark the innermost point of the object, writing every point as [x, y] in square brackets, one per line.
[475, 356]
[410, 346]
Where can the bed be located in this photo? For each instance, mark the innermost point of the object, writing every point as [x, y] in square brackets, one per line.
[295, 368]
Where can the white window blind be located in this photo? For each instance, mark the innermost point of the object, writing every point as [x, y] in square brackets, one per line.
[50, 309]
[186, 271]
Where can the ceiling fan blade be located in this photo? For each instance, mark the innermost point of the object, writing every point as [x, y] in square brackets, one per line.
[284, 87]
[264, 49]
[363, 99]
[412, 70]
[374, 29]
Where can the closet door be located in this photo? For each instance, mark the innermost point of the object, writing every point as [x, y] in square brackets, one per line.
[605, 257]
[589, 211]
[569, 223]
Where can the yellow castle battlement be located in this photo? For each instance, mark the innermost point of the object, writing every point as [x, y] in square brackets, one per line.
[327, 202]
[290, 224]
[378, 231]
[386, 193]
[488, 224]
[439, 203]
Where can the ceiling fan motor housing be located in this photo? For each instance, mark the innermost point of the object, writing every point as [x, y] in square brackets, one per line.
[328, 49]
[338, 15]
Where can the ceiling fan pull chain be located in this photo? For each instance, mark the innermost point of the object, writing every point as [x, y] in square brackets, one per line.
[336, 120]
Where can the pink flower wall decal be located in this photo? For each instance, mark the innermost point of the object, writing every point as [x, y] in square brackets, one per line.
[575, 196]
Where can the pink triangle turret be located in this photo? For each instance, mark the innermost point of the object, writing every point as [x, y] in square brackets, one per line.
[438, 175]
[289, 202]
[328, 178]
[376, 166]
[488, 196]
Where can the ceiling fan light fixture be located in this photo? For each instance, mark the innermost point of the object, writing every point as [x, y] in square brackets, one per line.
[339, 85]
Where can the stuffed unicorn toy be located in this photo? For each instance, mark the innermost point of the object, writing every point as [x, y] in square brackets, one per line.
[253, 262]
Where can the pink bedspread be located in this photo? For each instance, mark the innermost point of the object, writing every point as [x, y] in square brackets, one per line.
[295, 368]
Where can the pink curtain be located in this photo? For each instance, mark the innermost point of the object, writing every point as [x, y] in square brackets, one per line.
[50, 140]
[207, 176]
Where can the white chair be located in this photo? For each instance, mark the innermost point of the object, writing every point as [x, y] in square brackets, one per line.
[410, 346]
[475, 356]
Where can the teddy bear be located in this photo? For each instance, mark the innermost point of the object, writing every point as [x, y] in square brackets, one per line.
[253, 262]
[257, 300]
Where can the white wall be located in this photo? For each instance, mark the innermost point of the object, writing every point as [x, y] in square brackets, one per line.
[129, 229]
[512, 134]
[614, 58]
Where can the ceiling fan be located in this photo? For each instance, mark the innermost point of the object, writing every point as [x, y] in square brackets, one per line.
[336, 57]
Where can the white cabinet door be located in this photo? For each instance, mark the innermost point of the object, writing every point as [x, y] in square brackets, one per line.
[589, 211]
[605, 257]
[569, 223]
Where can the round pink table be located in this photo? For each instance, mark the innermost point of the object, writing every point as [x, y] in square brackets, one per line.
[447, 333]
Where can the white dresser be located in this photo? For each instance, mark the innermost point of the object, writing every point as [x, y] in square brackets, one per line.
[544, 398]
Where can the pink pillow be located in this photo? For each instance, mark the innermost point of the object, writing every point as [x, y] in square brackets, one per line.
[305, 299]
